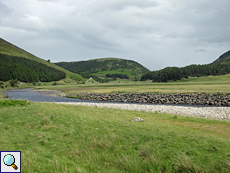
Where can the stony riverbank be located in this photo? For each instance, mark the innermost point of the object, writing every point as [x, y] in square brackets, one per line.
[220, 113]
[219, 99]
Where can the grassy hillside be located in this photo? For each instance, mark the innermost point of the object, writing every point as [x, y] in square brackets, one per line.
[12, 50]
[224, 58]
[101, 67]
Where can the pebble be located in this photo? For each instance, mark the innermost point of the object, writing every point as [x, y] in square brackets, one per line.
[220, 113]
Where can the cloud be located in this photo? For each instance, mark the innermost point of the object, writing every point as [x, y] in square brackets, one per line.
[5, 10]
[200, 50]
[155, 33]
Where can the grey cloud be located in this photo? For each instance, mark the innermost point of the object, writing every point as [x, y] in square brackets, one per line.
[171, 34]
[175, 31]
[4, 10]
[121, 4]
[200, 50]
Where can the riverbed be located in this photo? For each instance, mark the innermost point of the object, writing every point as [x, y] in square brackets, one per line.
[213, 112]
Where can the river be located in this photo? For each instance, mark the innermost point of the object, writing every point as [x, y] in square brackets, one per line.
[31, 95]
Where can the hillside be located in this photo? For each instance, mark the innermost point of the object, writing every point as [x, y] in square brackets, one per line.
[224, 58]
[219, 67]
[106, 68]
[12, 50]
[26, 70]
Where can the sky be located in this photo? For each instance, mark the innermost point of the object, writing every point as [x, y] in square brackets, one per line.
[155, 33]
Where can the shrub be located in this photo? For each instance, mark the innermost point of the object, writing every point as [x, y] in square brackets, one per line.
[14, 82]
[1, 84]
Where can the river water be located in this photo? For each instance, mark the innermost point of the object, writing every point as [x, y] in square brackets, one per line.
[28, 94]
[31, 95]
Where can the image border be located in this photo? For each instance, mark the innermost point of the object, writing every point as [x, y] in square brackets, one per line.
[12, 153]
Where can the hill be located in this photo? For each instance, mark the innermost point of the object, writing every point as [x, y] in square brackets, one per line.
[106, 68]
[26, 70]
[224, 58]
[219, 67]
[11, 50]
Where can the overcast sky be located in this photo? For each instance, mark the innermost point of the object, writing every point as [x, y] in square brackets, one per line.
[155, 33]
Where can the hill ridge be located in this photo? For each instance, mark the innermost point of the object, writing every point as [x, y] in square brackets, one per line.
[224, 58]
[106, 66]
[220, 66]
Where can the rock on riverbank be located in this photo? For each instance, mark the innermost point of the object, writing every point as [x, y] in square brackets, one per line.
[219, 99]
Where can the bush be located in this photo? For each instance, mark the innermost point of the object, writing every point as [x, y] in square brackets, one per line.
[1, 84]
[14, 82]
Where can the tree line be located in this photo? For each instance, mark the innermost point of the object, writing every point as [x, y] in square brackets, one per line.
[26, 70]
[121, 76]
[176, 73]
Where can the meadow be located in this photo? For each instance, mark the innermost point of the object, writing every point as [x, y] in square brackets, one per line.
[209, 84]
[68, 138]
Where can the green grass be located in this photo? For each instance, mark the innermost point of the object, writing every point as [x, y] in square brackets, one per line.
[139, 87]
[65, 138]
[127, 72]
[6, 103]
[209, 84]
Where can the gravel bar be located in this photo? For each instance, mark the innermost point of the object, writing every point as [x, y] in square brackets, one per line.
[221, 113]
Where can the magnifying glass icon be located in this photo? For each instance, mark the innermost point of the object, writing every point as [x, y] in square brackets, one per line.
[9, 160]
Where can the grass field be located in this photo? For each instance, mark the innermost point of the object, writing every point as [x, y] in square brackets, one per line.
[65, 138]
[210, 84]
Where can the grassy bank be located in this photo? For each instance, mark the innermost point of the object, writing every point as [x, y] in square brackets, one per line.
[65, 138]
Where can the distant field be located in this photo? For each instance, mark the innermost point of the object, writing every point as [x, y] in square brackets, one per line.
[210, 84]
[64, 138]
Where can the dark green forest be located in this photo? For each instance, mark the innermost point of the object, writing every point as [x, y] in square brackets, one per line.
[26, 70]
[176, 73]
[121, 76]
[94, 66]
